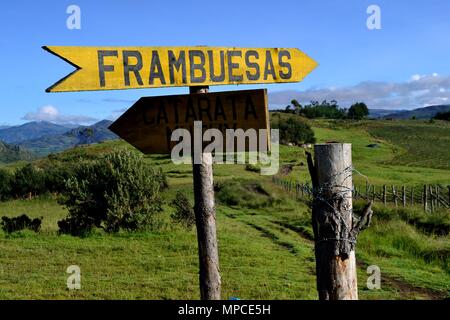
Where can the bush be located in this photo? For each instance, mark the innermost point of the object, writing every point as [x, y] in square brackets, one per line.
[358, 111]
[10, 225]
[184, 213]
[5, 185]
[252, 168]
[28, 181]
[116, 192]
[294, 130]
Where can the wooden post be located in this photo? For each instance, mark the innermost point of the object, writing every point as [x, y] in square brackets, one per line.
[425, 198]
[384, 195]
[436, 194]
[394, 195]
[430, 187]
[412, 196]
[404, 196]
[332, 219]
[205, 218]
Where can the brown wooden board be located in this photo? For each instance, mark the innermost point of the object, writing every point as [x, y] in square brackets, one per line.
[149, 123]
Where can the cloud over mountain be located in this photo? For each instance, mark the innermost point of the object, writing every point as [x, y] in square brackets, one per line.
[419, 91]
[52, 114]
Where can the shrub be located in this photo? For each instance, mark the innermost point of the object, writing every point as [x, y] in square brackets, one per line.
[28, 181]
[184, 213]
[294, 130]
[358, 111]
[5, 184]
[252, 168]
[116, 192]
[10, 225]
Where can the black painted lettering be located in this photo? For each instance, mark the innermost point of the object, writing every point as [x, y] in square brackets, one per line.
[232, 66]
[218, 111]
[162, 115]
[204, 107]
[135, 68]
[287, 65]
[190, 112]
[156, 70]
[177, 64]
[102, 68]
[221, 76]
[256, 75]
[249, 108]
[197, 66]
[232, 99]
[268, 67]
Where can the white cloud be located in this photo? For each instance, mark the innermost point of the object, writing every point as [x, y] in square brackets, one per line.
[52, 114]
[420, 91]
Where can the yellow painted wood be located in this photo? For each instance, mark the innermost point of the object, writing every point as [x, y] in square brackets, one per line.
[151, 67]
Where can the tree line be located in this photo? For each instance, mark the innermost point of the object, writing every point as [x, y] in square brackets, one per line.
[327, 109]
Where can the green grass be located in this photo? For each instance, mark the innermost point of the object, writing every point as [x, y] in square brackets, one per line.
[264, 233]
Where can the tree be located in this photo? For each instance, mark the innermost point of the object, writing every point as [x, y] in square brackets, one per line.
[116, 192]
[442, 116]
[358, 111]
[28, 181]
[294, 130]
[5, 184]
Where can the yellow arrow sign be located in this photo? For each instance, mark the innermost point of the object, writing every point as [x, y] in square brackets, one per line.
[110, 68]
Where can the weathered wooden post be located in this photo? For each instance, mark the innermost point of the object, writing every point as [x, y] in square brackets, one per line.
[205, 219]
[425, 198]
[384, 195]
[412, 196]
[430, 187]
[394, 195]
[335, 231]
[404, 196]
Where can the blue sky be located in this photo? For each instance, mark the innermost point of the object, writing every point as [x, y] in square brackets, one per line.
[402, 66]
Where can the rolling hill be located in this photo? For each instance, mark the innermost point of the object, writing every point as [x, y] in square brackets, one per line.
[420, 113]
[11, 153]
[35, 129]
[70, 138]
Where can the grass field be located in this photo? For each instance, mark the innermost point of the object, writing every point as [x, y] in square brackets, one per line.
[265, 239]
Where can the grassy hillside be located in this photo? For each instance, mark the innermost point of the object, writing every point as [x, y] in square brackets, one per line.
[265, 236]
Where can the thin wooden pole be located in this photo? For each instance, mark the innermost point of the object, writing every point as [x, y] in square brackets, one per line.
[431, 198]
[412, 196]
[384, 195]
[425, 198]
[404, 196]
[205, 217]
[394, 194]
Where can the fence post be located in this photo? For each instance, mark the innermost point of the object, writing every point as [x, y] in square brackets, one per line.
[431, 197]
[404, 196]
[332, 220]
[425, 198]
[384, 194]
[412, 196]
[394, 194]
[438, 203]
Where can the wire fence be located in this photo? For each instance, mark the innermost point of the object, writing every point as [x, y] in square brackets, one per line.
[430, 197]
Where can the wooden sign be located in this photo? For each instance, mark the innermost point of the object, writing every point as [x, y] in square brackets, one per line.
[149, 123]
[109, 68]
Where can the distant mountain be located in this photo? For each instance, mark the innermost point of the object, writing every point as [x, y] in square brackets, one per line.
[420, 113]
[30, 130]
[81, 135]
[4, 127]
[380, 113]
[11, 153]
